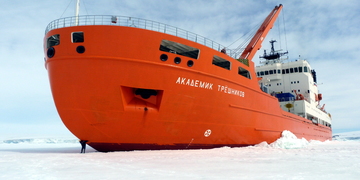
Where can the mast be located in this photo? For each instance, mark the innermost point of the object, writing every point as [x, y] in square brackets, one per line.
[255, 43]
[77, 9]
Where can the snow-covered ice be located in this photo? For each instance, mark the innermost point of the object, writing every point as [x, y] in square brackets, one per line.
[286, 158]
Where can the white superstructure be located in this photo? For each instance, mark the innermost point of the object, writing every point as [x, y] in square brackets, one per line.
[295, 85]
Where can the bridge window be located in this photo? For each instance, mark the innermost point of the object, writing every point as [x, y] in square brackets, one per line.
[291, 70]
[53, 40]
[218, 61]
[244, 72]
[262, 73]
[305, 69]
[295, 69]
[300, 69]
[78, 37]
[181, 49]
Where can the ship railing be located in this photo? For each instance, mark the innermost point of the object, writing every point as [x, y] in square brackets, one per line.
[137, 23]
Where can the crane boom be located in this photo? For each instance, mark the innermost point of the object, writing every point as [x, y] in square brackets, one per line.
[261, 33]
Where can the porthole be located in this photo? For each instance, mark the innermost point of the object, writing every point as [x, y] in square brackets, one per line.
[163, 57]
[80, 49]
[190, 63]
[177, 60]
[50, 52]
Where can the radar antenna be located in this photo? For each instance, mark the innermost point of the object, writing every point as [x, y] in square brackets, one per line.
[273, 56]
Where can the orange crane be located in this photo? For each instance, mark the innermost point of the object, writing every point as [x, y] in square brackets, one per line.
[255, 43]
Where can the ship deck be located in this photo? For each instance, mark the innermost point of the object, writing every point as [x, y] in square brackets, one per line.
[90, 20]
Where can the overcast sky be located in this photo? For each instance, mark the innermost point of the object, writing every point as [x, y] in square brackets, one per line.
[326, 33]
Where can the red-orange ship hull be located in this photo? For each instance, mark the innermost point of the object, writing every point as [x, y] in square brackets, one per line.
[98, 95]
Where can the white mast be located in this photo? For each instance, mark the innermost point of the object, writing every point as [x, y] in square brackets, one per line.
[77, 12]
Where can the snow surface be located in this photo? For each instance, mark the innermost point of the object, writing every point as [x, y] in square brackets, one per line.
[286, 158]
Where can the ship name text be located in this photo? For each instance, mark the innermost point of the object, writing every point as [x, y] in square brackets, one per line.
[207, 85]
[228, 90]
[194, 83]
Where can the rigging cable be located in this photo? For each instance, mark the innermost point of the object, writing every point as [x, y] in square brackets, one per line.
[69, 5]
[283, 13]
[66, 9]
[246, 34]
[85, 8]
[279, 29]
[248, 37]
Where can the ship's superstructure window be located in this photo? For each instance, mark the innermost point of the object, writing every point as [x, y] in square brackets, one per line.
[181, 49]
[218, 61]
[300, 69]
[244, 72]
[77, 37]
[290, 70]
[53, 40]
